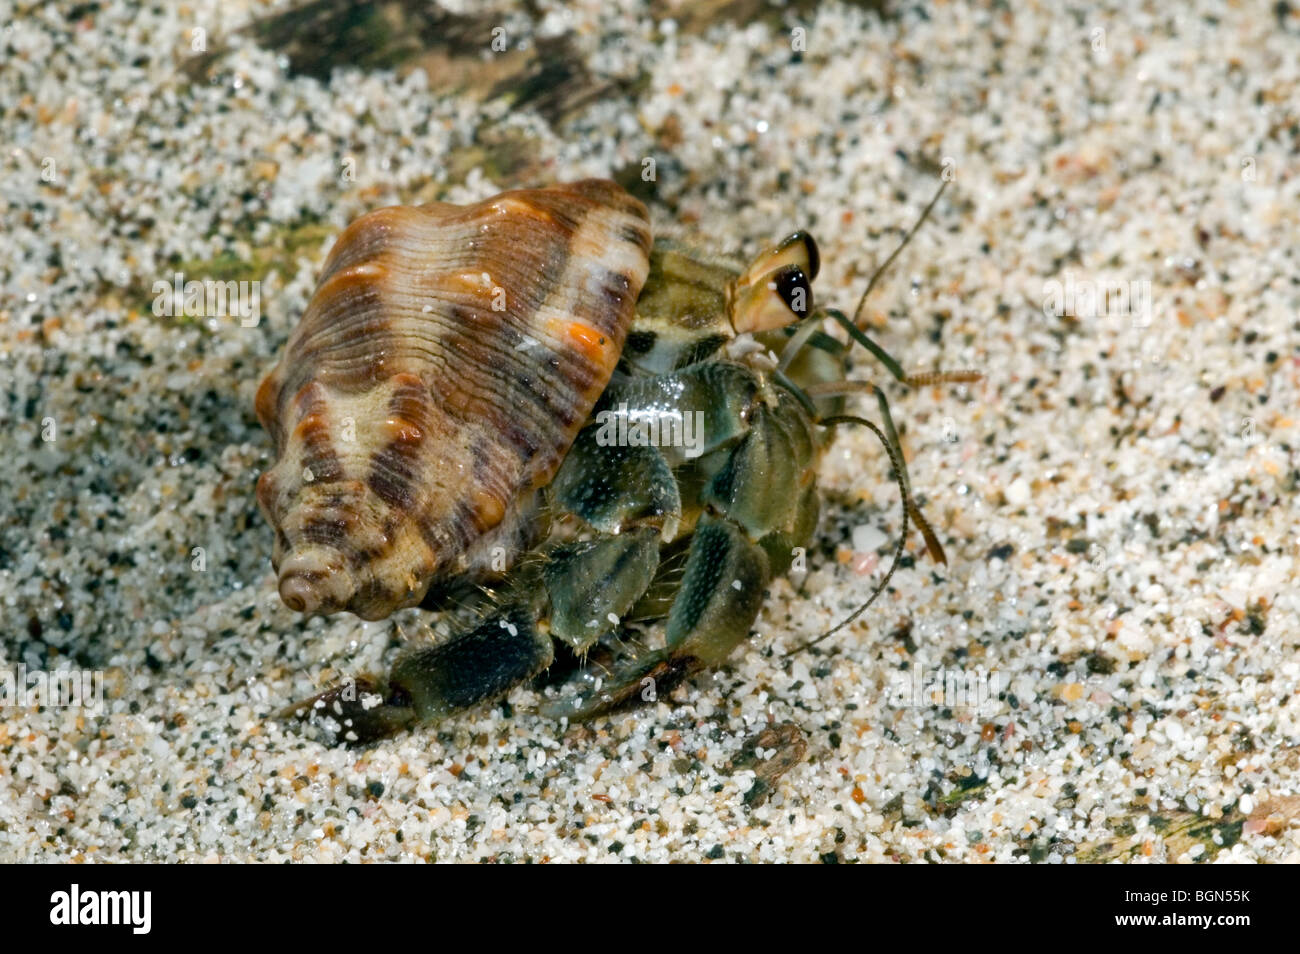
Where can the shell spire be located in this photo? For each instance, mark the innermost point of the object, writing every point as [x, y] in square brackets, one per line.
[439, 374]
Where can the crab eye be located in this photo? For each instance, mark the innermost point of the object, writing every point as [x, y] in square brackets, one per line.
[776, 289]
[794, 288]
[802, 238]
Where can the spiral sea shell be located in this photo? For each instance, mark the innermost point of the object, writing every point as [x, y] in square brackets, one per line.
[441, 370]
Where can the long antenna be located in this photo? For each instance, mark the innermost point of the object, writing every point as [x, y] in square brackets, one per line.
[902, 538]
[862, 302]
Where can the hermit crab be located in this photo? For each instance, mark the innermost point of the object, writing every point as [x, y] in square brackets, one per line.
[597, 448]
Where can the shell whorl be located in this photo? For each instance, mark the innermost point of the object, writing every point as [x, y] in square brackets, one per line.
[440, 372]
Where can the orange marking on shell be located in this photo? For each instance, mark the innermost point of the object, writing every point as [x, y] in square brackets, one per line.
[518, 208]
[405, 380]
[403, 430]
[590, 342]
[488, 509]
[264, 403]
[308, 398]
[406, 393]
[311, 427]
[266, 492]
[362, 274]
[469, 284]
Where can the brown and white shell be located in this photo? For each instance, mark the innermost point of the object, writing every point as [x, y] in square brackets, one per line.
[442, 369]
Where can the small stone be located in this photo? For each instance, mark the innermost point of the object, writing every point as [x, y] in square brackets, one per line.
[1017, 492]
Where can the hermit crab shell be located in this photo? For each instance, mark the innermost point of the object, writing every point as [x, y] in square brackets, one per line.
[442, 369]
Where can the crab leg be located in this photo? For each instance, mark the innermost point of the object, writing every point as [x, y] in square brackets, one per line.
[760, 503]
[721, 593]
[427, 685]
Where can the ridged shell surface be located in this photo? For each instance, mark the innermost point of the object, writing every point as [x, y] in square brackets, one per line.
[440, 372]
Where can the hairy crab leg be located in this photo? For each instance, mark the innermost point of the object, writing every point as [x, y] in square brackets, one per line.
[721, 595]
[427, 685]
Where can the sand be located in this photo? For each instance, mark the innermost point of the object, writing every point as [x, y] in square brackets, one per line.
[1116, 497]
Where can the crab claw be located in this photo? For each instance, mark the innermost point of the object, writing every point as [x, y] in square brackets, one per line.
[360, 711]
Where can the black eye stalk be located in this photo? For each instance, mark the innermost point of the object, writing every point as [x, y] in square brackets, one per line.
[795, 288]
[810, 249]
[775, 291]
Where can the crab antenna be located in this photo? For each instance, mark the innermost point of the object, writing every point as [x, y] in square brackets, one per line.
[858, 335]
[812, 322]
[862, 302]
[932, 544]
[897, 463]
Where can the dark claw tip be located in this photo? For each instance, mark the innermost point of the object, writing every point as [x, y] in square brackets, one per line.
[356, 712]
